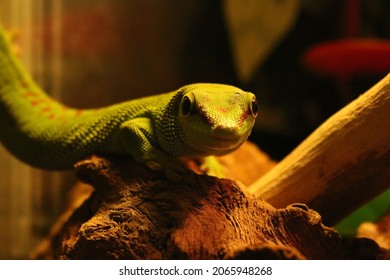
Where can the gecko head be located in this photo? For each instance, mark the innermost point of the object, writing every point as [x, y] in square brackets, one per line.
[216, 119]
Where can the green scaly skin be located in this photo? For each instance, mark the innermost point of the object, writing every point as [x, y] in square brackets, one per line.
[195, 120]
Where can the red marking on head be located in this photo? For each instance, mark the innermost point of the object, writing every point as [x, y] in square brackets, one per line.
[205, 117]
[243, 117]
[223, 110]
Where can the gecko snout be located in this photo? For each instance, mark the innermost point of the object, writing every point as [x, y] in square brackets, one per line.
[226, 132]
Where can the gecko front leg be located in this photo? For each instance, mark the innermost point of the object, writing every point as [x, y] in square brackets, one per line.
[213, 167]
[136, 137]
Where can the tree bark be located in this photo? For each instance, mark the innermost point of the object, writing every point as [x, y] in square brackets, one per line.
[341, 165]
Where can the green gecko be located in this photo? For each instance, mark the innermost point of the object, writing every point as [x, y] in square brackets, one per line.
[197, 120]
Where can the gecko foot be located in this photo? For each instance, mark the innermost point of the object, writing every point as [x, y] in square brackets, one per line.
[173, 171]
[213, 167]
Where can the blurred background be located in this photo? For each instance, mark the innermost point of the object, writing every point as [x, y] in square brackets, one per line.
[303, 59]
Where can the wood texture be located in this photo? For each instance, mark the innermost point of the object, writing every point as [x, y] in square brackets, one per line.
[135, 213]
[341, 165]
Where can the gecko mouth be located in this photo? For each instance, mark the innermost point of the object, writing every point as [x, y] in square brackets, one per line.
[225, 143]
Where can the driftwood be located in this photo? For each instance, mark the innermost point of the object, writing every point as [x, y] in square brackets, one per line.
[135, 213]
[342, 165]
[236, 166]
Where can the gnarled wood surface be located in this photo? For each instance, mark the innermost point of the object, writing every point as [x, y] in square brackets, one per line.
[135, 213]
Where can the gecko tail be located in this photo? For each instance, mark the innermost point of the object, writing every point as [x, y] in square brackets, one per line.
[34, 127]
[5, 40]
[7, 52]
[15, 80]
[13, 75]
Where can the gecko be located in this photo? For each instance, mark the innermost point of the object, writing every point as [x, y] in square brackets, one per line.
[196, 120]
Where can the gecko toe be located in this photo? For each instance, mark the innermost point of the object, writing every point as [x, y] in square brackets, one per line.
[153, 165]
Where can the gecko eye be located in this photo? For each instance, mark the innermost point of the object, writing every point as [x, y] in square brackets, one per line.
[186, 106]
[254, 107]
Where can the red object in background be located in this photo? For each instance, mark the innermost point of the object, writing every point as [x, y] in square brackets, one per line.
[344, 58]
[349, 57]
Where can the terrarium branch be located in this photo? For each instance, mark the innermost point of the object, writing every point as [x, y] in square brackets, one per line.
[341, 165]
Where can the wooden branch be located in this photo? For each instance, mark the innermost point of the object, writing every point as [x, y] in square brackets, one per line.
[135, 213]
[340, 166]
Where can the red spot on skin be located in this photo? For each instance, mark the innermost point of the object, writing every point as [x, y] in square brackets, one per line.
[29, 94]
[52, 116]
[46, 109]
[34, 103]
[79, 113]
